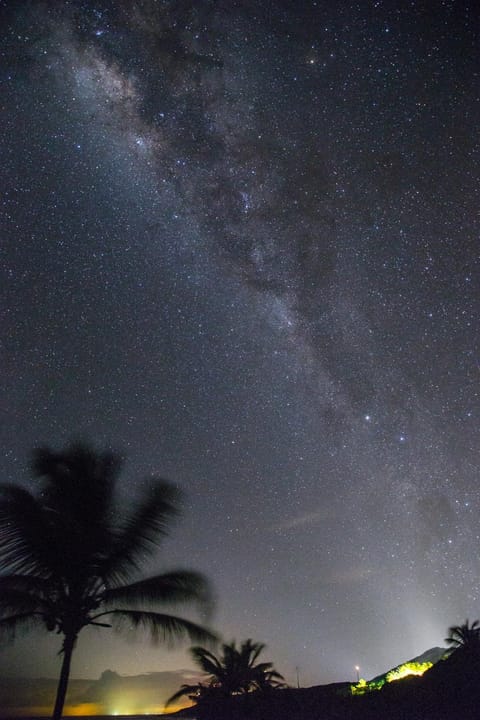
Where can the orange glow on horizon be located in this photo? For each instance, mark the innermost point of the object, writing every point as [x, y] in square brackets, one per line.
[90, 710]
[83, 709]
[119, 707]
[46, 710]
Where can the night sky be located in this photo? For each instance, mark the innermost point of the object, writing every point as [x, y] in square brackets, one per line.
[239, 244]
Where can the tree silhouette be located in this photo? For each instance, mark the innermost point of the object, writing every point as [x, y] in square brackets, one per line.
[234, 672]
[67, 562]
[464, 636]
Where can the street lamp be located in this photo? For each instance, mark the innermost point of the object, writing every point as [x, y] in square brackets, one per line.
[357, 668]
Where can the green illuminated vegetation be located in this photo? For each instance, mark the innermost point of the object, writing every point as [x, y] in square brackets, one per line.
[362, 687]
[398, 673]
[464, 636]
[410, 668]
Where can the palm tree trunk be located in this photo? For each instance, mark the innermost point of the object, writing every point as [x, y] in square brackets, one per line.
[68, 645]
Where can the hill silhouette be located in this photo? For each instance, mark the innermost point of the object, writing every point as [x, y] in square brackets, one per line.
[449, 690]
[110, 693]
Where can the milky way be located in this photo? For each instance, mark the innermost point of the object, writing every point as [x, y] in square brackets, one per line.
[240, 244]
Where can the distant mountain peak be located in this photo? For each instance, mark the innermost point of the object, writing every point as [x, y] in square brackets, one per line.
[433, 655]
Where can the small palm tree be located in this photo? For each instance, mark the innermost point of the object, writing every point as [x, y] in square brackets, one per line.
[234, 672]
[464, 636]
[67, 562]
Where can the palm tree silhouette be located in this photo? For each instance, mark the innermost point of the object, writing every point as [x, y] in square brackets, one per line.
[464, 636]
[234, 672]
[67, 562]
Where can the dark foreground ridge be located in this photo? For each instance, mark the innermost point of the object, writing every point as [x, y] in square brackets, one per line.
[450, 690]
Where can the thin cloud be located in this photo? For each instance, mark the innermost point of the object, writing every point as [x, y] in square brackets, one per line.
[310, 518]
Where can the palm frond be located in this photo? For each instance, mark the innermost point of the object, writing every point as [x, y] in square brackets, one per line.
[249, 651]
[22, 622]
[24, 594]
[263, 668]
[78, 481]
[140, 534]
[466, 635]
[25, 533]
[207, 661]
[78, 484]
[25, 583]
[32, 534]
[191, 691]
[234, 671]
[163, 628]
[177, 586]
[17, 601]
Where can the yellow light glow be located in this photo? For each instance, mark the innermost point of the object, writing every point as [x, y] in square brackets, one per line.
[410, 668]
